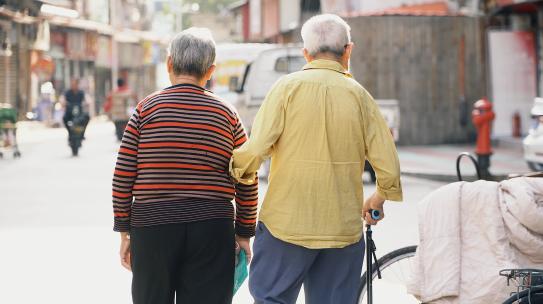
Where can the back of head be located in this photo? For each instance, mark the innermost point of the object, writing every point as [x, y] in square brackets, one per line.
[326, 33]
[120, 82]
[74, 84]
[192, 52]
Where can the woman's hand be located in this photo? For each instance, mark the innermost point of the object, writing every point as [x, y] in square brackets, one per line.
[125, 251]
[245, 245]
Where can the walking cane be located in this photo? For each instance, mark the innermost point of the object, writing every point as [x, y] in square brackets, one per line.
[370, 253]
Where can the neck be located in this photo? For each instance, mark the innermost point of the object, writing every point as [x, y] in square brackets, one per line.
[184, 79]
[331, 57]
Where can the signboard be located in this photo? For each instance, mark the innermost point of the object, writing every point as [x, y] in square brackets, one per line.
[289, 14]
[103, 52]
[75, 46]
[513, 78]
[498, 3]
[58, 44]
[136, 54]
[98, 10]
[270, 18]
[255, 16]
[81, 45]
[151, 52]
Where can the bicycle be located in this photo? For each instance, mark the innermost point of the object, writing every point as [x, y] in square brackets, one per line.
[394, 268]
[529, 285]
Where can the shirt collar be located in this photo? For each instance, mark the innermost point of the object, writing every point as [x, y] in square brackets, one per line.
[180, 85]
[328, 65]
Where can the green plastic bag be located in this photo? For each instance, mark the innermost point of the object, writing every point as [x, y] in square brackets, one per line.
[241, 272]
[7, 115]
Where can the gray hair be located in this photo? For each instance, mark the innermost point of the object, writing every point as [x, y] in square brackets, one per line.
[192, 52]
[326, 33]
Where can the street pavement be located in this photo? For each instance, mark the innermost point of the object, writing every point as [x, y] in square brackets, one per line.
[438, 162]
[56, 239]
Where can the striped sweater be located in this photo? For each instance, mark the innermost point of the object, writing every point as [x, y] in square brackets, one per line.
[172, 166]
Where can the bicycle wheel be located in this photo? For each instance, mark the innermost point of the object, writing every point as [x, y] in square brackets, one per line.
[395, 269]
[533, 295]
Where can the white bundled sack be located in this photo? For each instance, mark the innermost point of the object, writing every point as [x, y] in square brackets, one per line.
[469, 232]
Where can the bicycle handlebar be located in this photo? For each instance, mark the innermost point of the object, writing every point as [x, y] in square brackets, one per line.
[375, 214]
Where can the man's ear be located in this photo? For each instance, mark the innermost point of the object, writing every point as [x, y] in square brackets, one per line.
[307, 57]
[348, 51]
[345, 58]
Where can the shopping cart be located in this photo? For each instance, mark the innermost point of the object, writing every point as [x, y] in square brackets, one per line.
[8, 131]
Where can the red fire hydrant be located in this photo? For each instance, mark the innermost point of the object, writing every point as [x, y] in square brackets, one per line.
[482, 117]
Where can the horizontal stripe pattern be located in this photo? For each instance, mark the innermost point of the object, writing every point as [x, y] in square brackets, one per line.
[172, 165]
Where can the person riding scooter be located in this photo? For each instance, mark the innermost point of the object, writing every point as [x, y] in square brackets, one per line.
[75, 117]
[75, 98]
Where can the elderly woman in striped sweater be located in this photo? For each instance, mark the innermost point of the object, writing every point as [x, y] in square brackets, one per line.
[172, 193]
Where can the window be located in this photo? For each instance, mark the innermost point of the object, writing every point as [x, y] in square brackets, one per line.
[289, 64]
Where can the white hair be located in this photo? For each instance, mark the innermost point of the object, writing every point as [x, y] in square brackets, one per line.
[326, 33]
[192, 52]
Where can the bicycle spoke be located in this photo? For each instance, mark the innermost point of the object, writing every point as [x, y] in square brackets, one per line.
[395, 269]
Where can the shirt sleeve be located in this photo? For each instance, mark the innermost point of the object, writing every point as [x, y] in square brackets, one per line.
[246, 195]
[125, 174]
[381, 152]
[267, 128]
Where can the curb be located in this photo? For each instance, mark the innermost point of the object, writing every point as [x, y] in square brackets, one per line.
[510, 143]
[449, 178]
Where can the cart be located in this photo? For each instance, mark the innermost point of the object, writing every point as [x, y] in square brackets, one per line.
[8, 131]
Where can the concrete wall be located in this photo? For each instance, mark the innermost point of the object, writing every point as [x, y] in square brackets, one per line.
[430, 64]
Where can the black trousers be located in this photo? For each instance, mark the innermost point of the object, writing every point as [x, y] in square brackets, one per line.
[193, 262]
[120, 125]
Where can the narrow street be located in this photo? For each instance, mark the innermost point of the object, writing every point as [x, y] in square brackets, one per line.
[57, 244]
[458, 83]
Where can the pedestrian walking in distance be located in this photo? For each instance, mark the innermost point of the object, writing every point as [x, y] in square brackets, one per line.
[318, 125]
[172, 192]
[119, 106]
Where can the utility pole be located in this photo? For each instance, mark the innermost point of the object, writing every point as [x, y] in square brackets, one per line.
[114, 47]
[177, 6]
[7, 76]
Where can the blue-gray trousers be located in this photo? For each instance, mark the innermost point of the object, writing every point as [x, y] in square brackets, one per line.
[278, 270]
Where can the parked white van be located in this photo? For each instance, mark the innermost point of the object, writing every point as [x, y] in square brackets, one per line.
[261, 74]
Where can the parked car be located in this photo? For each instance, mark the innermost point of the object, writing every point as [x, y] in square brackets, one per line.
[533, 143]
[257, 80]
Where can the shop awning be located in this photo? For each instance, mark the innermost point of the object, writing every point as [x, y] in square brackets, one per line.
[514, 6]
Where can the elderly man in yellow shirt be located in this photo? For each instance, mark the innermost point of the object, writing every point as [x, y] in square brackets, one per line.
[319, 126]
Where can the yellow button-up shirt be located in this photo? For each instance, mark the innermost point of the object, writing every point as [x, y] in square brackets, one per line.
[318, 125]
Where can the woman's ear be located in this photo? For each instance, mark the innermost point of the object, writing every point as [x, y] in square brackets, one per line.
[169, 64]
[210, 72]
